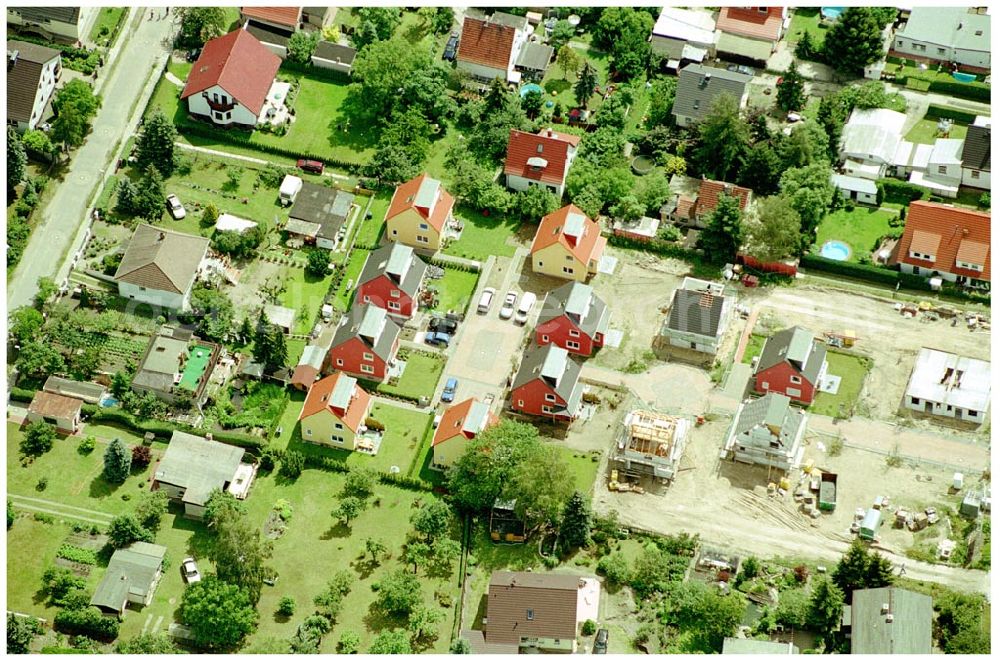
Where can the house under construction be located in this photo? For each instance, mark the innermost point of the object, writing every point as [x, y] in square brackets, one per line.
[650, 444]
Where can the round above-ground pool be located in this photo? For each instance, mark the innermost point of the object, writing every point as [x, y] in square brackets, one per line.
[835, 250]
[831, 13]
[532, 87]
[963, 77]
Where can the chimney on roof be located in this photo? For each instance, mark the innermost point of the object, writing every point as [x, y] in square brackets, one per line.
[888, 618]
[549, 132]
[12, 59]
[965, 232]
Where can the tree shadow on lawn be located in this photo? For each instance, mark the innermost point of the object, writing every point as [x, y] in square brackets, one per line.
[343, 129]
[376, 620]
[338, 530]
[100, 487]
[365, 566]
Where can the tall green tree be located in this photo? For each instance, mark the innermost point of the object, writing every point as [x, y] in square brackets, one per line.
[574, 528]
[809, 191]
[861, 568]
[127, 529]
[442, 21]
[661, 101]
[806, 145]
[624, 32]
[75, 104]
[479, 477]
[117, 461]
[301, 46]
[384, 20]
[962, 622]
[723, 235]
[38, 439]
[761, 170]
[568, 60]
[21, 630]
[269, 345]
[854, 41]
[561, 35]
[395, 641]
[200, 24]
[214, 315]
[583, 89]
[155, 144]
[791, 92]
[433, 520]
[17, 159]
[240, 554]
[774, 232]
[147, 643]
[39, 359]
[399, 593]
[724, 140]
[220, 615]
[541, 485]
[826, 607]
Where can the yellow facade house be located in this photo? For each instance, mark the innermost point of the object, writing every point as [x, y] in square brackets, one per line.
[568, 245]
[459, 425]
[419, 213]
[334, 412]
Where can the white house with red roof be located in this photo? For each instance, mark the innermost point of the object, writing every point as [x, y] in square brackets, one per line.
[490, 46]
[946, 242]
[539, 160]
[231, 81]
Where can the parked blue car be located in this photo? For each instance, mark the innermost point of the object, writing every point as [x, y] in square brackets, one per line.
[438, 338]
[449, 390]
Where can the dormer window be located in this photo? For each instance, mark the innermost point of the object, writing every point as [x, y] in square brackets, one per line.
[540, 148]
[697, 104]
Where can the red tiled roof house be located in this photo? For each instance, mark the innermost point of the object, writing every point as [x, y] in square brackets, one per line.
[58, 410]
[568, 244]
[489, 46]
[539, 160]
[419, 212]
[694, 212]
[365, 344]
[944, 241]
[391, 279]
[334, 412]
[285, 18]
[459, 425]
[792, 363]
[548, 384]
[751, 32]
[573, 318]
[228, 85]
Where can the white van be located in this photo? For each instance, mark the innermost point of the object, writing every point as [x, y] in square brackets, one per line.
[290, 187]
[524, 307]
[486, 300]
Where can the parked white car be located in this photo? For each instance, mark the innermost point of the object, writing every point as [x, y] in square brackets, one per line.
[175, 207]
[486, 300]
[507, 310]
[524, 307]
[190, 571]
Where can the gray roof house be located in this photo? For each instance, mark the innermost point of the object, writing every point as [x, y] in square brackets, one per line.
[400, 265]
[699, 316]
[91, 393]
[323, 209]
[946, 34]
[580, 306]
[329, 55]
[372, 327]
[800, 354]
[131, 578]
[193, 466]
[559, 372]
[767, 431]
[738, 645]
[176, 365]
[534, 59]
[976, 154]
[698, 87]
[62, 24]
[32, 73]
[890, 621]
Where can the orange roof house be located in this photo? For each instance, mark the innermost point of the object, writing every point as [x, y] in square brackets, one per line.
[460, 424]
[284, 17]
[568, 244]
[486, 43]
[762, 23]
[541, 159]
[694, 211]
[418, 213]
[945, 241]
[334, 412]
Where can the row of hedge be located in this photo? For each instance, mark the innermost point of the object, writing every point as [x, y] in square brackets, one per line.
[978, 93]
[902, 192]
[165, 430]
[236, 138]
[656, 246]
[315, 72]
[339, 466]
[452, 265]
[936, 112]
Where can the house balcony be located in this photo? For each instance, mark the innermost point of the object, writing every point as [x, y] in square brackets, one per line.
[218, 107]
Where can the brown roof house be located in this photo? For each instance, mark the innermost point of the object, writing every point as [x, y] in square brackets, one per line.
[160, 267]
[59, 410]
[194, 466]
[690, 211]
[536, 612]
[32, 74]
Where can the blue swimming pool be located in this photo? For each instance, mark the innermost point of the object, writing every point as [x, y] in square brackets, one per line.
[108, 401]
[835, 250]
[831, 13]
[963, 77]
[531, 87]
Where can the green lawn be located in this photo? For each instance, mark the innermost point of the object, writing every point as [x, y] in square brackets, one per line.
[455, 289]
[807, 19]
[315, 546]
[345, 293]
[420, 377]
[483, 236]
[925, 131]
[370, 233]
[852, 371]
[859, 228]
[559, 82]
[582, 466]
[305, 293]
[31, 548]
[754, 346]
[103, 32]
[439, 152]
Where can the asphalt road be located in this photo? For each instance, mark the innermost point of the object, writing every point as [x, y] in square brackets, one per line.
[66, 211]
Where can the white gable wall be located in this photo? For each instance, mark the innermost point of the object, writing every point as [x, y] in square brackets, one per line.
[198, 105]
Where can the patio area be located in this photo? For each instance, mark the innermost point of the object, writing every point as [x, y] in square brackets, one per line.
[274, 112]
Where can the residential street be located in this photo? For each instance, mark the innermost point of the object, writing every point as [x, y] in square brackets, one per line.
[142, 53]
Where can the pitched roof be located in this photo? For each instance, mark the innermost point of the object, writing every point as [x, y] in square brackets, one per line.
[751, 22]
[797, 347]
[198, 465]
[696, 311]
[948, 26]
[426, 196]
[739, 645]
[313, 356]
[557, 368]
[769, 420]
[542, 156]
[534, 56]
[335, 52]
[239, 64]
[686, 25]
[44, 14]
[486, 42]
[698, 86]
[976, 152]
[268, 34]
[325, 206]
[399, 263]
[550, 599]
[873, 134]
[368, 324]
[83, 390]
[131, 571]
[52, 405]
[570, 227]
[23, 78]
[579, 304]
[710, 190]
[950, 379]
[281, 15]
[908, 631]
[340, 395]
[960, 232]
[162, 259]
[467, 418]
